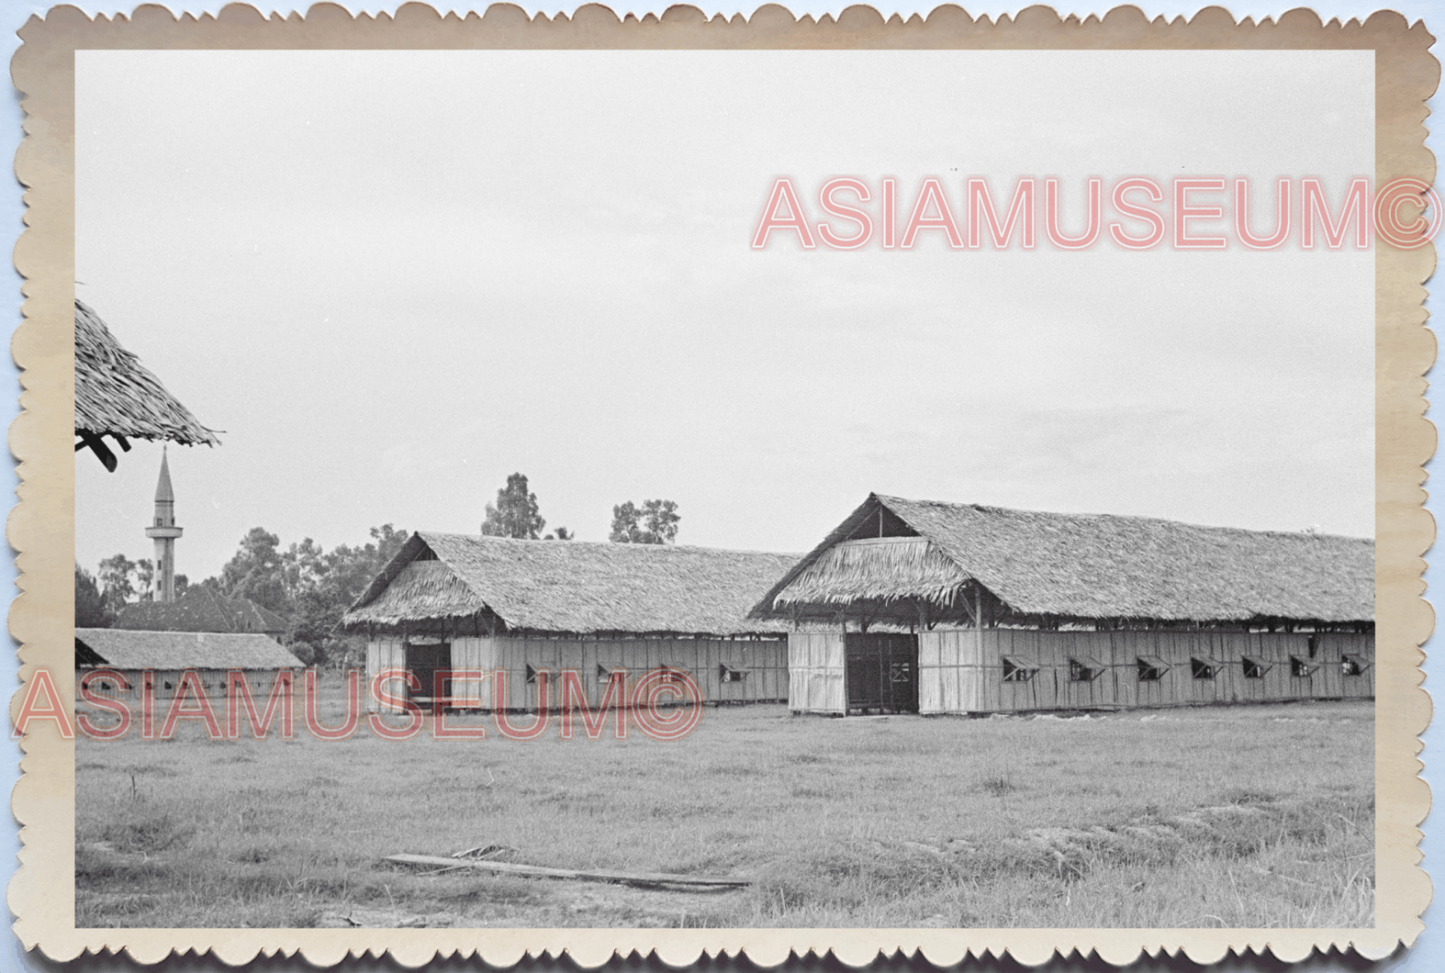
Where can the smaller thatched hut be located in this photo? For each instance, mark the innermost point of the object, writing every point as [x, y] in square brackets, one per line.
[453, 601]
[167, 654]
[118, 397]
[920, 606]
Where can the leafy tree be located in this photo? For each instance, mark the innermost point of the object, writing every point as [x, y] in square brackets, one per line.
[625, 527]
[308, 586]
[145, 573]
[515, 514]
[115, 582]
[256, 571]
[90, 607]
[562, 534]
[661, 519]
[327, 585]
[655, 522]
[182, 583]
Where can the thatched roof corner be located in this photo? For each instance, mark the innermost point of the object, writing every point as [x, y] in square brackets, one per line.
[116, 396]
[1084, 567]
[126, 649]
[571, 587]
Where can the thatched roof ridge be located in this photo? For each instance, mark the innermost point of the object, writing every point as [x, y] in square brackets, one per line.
[117, 396]
[572, 587]
[127, 649]
[1102, 566]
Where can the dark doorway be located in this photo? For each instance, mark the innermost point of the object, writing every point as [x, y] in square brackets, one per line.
[423, 660]
[882, 672]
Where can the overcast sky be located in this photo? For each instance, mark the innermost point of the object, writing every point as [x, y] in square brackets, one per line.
[395, 278]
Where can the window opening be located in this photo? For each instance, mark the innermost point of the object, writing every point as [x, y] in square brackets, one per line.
[1151, 668]
[1204, 668]
[1255, 668]
[1085, 670]
[729, 674]
[1018, 670]
[1301, 668]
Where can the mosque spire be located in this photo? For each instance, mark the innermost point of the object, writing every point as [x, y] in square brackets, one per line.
[163, 531]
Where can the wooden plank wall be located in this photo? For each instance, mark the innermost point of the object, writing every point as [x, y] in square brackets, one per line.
[815, 673]
[763, 663]
[950, 672]
[382, 654]
[954, 678]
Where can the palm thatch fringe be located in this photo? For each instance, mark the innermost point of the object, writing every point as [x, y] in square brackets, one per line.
[118, 397]
[884, 569]
[421, 590]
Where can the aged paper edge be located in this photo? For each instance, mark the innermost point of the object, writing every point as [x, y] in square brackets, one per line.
[41, 526]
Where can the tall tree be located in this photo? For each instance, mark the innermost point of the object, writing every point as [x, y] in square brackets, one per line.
[655, 522]
[310, 587]
[561, 534]
[115, 582]
[90, 607]
[625, 526]
[660, 517]
[145, 573]
[256, 571]
[515, 514]
[328, 586]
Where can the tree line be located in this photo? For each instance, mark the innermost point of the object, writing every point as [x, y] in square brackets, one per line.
[311, 588]
[517, 514]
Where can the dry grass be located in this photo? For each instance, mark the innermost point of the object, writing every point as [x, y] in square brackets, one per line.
[1235, 817]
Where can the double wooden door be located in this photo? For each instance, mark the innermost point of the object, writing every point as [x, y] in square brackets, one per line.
[882, 672]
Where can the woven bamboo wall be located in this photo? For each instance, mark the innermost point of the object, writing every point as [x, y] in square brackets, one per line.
[963, 671]
[815, 664]
[758, 667]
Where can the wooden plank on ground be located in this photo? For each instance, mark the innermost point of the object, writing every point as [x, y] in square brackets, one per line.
[539, 871]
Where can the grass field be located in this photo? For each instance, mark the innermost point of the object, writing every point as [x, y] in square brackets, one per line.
[1234, 817]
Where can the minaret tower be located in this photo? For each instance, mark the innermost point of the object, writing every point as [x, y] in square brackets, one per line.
[164, 532]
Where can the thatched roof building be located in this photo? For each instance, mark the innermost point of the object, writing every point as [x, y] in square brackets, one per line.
[201, 609]
[919, 606]
[131, 650]
[118, 397]
[573, 587]
[892, 558]
[514, 609]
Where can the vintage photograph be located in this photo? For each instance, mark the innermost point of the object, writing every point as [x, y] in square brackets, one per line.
[724, 489]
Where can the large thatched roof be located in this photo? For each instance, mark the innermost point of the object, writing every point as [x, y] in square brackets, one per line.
[125, 649]
[572, 586]
[1077, 567]
[116, 396]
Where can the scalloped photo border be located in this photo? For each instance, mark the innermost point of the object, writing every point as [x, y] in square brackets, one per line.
[41, 526]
